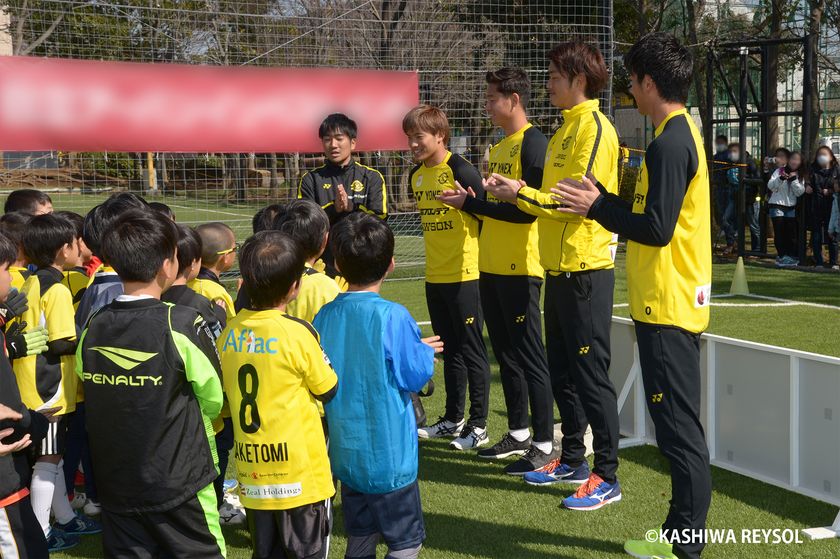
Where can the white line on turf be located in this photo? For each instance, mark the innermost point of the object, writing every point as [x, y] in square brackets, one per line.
[243, 216]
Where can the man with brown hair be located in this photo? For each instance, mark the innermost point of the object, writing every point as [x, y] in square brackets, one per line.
[575, 253]
[511, 277]
[451, 240]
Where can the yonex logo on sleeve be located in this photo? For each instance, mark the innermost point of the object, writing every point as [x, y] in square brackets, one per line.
[124, 358]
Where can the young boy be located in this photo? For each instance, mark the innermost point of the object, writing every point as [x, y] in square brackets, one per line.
[309, 226]
[373, 436]
[580, 277]
[20, 534]
[47, 380]
[189, 262]
[274, 372]
[218, 253]
[452, 295]
[162, 208]
[263, 220]
[152, 388]
[77, 450]
[511, 277]
[13, 225]
[105, 286]
[28, 201]
[343, 185]
[76, 278]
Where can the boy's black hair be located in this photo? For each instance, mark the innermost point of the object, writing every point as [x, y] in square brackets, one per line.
[783, 150]
[363, 247]
[13, 224]
[338, 122]
[8, 250]
[264, 218]
[307, 223]
[216, 237]
[162, 208]
[26, 200]
[77, 220]
[510, 80]
[138, 243]
[722, 137]
[44, 236]
[270, 262]
[668, 63]
[189, 248]
[100, 219]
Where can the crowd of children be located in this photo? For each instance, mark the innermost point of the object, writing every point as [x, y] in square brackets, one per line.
[128, 359]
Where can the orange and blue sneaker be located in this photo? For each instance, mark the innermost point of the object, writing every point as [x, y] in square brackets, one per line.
[557, 472]
[593, 494]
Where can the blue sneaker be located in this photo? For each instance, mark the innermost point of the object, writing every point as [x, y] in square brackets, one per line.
[79, 526]
[59, 541]
[556, 472]
[593, 494]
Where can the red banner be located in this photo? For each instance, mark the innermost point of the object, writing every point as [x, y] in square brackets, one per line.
[80, 105]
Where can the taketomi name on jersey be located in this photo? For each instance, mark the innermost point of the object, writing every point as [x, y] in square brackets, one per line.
[245, 341]
[257, 453]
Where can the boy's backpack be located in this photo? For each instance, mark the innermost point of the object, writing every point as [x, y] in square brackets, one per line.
[419, 410]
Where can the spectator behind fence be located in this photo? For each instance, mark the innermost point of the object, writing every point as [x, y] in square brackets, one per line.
[752, 204]
[824, 181]
[724, 197]
[786, 185]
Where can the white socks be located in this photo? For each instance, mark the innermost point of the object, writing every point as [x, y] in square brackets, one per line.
[520, 435]
[48, 492]
[62, 511]
[545, 447]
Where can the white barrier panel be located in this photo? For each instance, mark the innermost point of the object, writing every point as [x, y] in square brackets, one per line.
[770, 413]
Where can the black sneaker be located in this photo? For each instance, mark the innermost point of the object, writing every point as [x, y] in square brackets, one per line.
[508, 446]
[532, 460]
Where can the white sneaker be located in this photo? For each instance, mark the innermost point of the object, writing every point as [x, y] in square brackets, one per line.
[92, 508]
[78, 501]
[470, 437]
[231, 515]
[441, 428]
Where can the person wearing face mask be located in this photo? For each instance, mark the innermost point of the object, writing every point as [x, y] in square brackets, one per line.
[823, 183]
[786, 185]
[724, 196]
[751, 203]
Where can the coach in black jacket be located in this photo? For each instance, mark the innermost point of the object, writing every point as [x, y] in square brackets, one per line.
[343, 185]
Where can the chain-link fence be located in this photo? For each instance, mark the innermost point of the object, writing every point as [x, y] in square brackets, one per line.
[451, 43]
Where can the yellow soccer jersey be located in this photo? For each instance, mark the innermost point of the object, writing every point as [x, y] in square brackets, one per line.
[19, 276]
[511, 246]
[316, 290]
[214, 291]
[273, 367]
[77, 282]
[47, 380]
[450, 235]
[669, 247]
[586, 143]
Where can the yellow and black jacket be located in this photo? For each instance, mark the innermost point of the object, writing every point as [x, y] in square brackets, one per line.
[450, 235]
[586, 143]
[669, 252]
[508, 244]
[364, 185]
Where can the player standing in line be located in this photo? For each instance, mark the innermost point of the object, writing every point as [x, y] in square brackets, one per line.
[669, 275]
